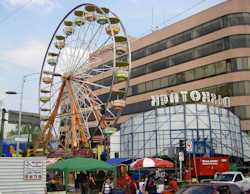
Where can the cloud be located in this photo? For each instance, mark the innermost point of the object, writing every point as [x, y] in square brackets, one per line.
[47, 5]
[28, 56]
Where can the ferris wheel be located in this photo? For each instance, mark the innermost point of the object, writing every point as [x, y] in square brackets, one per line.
[89, 46]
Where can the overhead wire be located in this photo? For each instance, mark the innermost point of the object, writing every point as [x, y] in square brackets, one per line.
[177, 15]
[14, 12]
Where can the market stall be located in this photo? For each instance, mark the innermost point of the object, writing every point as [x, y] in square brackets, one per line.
[79, 164]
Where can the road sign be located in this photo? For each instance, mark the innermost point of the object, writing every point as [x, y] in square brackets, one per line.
[181, 156]
[189, 146]
[21, 139]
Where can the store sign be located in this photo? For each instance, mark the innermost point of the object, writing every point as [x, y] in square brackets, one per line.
[209, 162]
[194, 96]
[33, 169]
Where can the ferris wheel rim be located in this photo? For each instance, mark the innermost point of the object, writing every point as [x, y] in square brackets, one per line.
[114, 55]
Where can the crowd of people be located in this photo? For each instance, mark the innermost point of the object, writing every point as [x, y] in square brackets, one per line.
[126, 183]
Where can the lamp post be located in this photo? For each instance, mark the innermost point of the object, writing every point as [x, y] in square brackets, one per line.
[20, 108]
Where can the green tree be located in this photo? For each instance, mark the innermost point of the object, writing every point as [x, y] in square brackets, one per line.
[33, 132]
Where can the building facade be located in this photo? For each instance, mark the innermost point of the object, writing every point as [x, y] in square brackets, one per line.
[207, 51]
[158, 132]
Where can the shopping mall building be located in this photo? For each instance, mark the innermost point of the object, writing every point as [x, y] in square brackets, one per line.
[205, 57]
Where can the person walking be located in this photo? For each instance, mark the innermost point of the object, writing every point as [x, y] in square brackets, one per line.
[107, 186]
[151, 186]
[173, 185]
[84, 183]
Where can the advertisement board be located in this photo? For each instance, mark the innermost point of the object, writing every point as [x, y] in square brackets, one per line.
[208, 166]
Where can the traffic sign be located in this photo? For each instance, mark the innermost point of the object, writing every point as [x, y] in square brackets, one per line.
[21, 139]
[181, 156]
[189, 146]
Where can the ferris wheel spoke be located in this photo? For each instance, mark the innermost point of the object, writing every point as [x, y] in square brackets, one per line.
[86, 49]
[78, 48]
[97, 99]
[80, 40]
[92, 108]
[94, 56]
[79, 104]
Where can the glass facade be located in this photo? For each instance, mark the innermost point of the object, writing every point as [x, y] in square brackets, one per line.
[230, 42]
[196, 32]
[221, 67]
[159, 131]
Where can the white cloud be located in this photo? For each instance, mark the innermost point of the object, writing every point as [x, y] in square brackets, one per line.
[29, 55]
[47, 5]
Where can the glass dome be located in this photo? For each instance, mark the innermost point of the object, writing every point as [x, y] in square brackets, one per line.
[158, 132]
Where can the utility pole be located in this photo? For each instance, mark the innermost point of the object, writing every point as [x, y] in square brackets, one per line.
[2, 129]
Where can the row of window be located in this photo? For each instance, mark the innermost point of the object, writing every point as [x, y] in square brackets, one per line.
[231, 42]
[201, 30]
[241, 88]
[242, 111]
[234, 41]
[225, 66]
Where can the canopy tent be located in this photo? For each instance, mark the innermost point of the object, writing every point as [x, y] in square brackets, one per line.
[80, 164]
[118, 161]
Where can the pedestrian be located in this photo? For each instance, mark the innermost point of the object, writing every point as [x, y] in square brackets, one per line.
[173, 185]
[84, 183]
[92, 183]
[107, 186]
[151, 185]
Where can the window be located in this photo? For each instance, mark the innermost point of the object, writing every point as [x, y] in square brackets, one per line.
[242, 63]
[189, 75]
[172, 80]
[209, 70]
[138, 54]
[199, 72]
[182, 57]
[208, 27]
[149, 86]
[135, 90]
[238, 19]
[158, 65]
[164, 82]
[156, 84]
[156, 47]
[242, 111]
[180, 38]
[180, 78]
[138, 71]
[210, 48]
[239, 41]
[221, 67]
[141, 88]
[238, 178]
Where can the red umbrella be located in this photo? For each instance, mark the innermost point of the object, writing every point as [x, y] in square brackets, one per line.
[151, 162]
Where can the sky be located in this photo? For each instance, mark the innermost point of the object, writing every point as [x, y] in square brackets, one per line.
[27, 27]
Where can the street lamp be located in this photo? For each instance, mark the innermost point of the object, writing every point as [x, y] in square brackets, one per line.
[21, 104]
[20, 107]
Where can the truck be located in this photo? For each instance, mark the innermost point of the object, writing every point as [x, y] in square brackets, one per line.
[236, 178]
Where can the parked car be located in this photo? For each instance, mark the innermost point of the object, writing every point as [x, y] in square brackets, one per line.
[209, 188]
[236, 178]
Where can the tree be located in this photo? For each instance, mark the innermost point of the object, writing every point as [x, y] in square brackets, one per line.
[32, 131]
